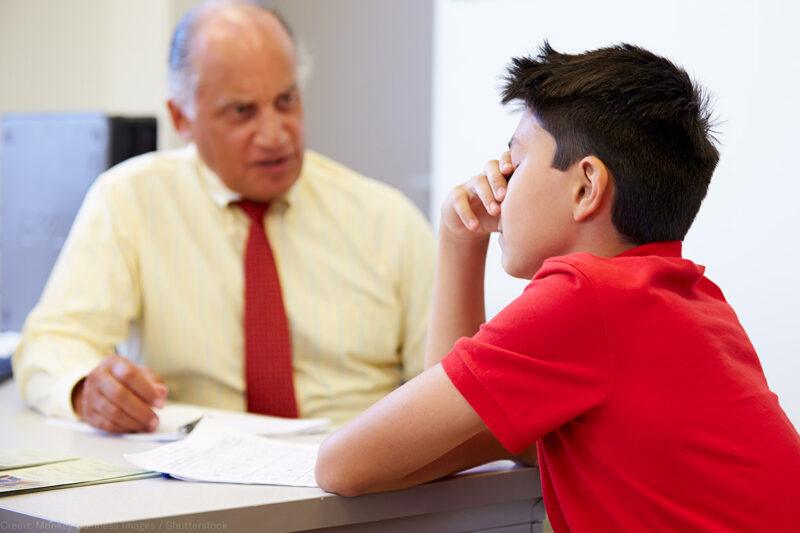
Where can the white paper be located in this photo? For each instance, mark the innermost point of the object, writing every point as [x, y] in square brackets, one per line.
[175, 415]
[217, 453]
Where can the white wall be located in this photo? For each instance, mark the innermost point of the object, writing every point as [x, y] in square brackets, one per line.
[745, 52]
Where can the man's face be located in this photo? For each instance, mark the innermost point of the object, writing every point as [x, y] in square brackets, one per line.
[536, 215]
[248, 119]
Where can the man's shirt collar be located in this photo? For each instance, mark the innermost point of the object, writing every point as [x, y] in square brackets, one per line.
[222, 195]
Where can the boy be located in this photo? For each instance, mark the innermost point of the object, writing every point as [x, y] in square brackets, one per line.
[621, 365]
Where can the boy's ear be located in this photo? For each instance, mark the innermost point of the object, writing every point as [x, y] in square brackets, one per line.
[593, 182]
[180, 121]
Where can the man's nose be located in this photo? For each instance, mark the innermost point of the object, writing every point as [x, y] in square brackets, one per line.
[271, 131]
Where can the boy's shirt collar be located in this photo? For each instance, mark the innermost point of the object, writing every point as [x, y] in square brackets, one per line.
[663, 249]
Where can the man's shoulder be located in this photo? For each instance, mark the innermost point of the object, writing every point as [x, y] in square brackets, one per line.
[333, 179]
[152, 165]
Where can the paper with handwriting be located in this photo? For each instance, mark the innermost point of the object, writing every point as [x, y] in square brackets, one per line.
[176, 415]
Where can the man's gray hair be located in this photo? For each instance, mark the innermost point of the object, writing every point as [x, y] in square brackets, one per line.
[183, 78]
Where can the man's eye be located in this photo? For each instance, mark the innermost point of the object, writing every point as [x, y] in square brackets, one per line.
[286, 101]
[243, 110]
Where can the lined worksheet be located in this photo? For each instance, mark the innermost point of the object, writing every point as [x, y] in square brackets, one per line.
[218, 453]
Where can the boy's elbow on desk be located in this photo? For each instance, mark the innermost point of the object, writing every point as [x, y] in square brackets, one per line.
[334, 474]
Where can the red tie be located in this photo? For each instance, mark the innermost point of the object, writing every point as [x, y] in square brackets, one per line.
[268, 348]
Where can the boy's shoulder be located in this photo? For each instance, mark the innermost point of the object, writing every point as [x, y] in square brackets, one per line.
[657, 264]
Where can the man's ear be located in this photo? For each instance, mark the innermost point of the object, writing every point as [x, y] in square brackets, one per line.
[180, 121]
[593, 184]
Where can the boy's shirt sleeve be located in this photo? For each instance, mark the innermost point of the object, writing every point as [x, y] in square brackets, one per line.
[542, 362]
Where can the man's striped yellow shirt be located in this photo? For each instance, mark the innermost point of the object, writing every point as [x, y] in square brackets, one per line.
[154, 263]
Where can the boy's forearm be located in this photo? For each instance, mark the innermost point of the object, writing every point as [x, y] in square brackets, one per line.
[480, 449]
[458, 307]
[421, 431]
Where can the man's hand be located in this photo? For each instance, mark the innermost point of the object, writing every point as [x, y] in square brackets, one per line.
[117, 396]
[473, 208]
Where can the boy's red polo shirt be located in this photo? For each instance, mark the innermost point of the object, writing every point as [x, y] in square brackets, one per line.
[645, 396]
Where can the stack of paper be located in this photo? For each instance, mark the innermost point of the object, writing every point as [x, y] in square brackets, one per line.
[175, 416]
[22, 458]
[218, 453]
[23, 471]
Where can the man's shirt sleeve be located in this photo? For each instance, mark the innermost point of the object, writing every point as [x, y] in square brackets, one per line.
[417, 259]
[85, 310]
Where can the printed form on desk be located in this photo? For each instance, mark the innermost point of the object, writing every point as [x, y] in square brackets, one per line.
[77, 472]
[218, 453]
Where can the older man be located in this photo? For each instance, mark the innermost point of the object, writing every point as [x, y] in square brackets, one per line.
[245, 271]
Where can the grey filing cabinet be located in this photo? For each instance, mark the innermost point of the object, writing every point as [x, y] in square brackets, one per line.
[47, 163]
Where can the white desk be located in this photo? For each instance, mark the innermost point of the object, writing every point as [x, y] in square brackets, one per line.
[502, 498]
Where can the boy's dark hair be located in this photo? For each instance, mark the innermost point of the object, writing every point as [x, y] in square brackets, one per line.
[638, 113]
